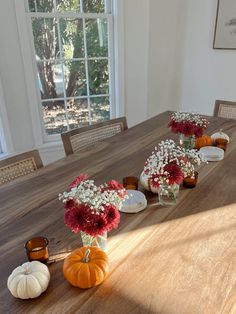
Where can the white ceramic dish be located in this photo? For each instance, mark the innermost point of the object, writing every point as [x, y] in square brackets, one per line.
[212, 153]
[135, 203]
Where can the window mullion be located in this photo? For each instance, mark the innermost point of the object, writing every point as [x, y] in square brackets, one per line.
[54, 5]
[107, 6]
[81, 6]
[86, 69]
[69, 14]
[111, 67]
[75, 97]
[76, 59]
[35, 6]
[27, 6]
[63, 75]
[59, 63]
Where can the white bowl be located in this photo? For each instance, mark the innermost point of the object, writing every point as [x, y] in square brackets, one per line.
[212, 153]
[135, 203]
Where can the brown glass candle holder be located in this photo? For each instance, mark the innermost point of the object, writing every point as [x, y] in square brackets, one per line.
[37, 249]
[130, 183]
[221, 143]
[190, 182]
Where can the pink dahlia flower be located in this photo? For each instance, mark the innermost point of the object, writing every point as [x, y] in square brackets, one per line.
[78, 180]
[175, 175]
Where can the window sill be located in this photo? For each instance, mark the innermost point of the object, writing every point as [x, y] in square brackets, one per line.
[56, 146]
[50, 146]
[5, 155]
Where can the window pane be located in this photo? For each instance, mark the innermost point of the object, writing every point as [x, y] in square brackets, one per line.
[32, 5]
[100, 109]
[54, 116]
[68, 5]
[50, 78]
[98, 77]
[75, 78]
[72, 38]
[40, 5]
[93, 6]
[45, 38]
[78, 113]
[97, 37]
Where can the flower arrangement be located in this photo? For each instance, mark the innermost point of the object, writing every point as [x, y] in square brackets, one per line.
[170, 164]
[188, 124]
[92, 209]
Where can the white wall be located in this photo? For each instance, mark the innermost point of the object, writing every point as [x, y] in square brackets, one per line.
[166, 36]
[12, 76]
[168, 63]
[135, 55]
[208, 74]
[5, 135]
[136, 45]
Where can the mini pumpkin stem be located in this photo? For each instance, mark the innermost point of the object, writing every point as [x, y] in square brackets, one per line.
[85, 258]
[27, 270]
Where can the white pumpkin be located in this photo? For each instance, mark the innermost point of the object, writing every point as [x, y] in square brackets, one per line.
[29, 280]
[145, 183]
[220, 134]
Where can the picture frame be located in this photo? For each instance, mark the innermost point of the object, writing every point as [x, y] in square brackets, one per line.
[225, 25]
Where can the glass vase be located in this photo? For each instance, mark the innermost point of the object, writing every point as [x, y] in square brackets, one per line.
[188, 142]
[168, 194]
[99, 241]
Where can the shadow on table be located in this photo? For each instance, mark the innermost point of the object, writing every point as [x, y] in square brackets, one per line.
[64, 298]
[208, 195]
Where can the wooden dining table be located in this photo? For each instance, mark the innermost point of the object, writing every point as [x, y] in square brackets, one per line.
[178, 259]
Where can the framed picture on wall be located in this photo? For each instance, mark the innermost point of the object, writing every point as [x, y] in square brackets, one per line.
[225, 27]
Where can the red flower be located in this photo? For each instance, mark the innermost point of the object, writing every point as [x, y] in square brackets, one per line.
[113, 185]
[96, 225]
[69, 204]
[154, 180]
[174, 126]
[76, 217]
[112, 217]
[198, 131]
[78, 180]
[187, 128]
[175, 175]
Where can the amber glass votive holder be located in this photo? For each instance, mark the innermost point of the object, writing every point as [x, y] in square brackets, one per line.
[221, 143]
[37, 249]
[190, 182]
[130, 183]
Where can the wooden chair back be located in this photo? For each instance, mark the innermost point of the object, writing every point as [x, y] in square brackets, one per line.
[225, 109]
[80, 138]
[19, 165]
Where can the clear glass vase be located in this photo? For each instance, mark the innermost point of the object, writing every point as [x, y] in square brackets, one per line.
[99, 241]
[168, 194]
[188, 142]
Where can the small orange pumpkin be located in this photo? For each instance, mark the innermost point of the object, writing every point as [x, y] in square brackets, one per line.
[86, 267]
[202, 141]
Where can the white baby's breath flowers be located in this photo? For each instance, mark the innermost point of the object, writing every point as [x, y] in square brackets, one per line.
[168, 153]
[194, 118]
[86, 192]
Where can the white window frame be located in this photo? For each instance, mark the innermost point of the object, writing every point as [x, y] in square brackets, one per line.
[116, 66]
[6, 145]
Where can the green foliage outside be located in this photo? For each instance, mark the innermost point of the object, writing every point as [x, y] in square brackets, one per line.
[51, 33]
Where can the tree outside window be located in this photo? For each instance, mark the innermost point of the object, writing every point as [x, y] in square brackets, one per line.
[72, 43]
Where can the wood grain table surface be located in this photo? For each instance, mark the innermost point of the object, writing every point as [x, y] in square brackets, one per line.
[168, 260]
